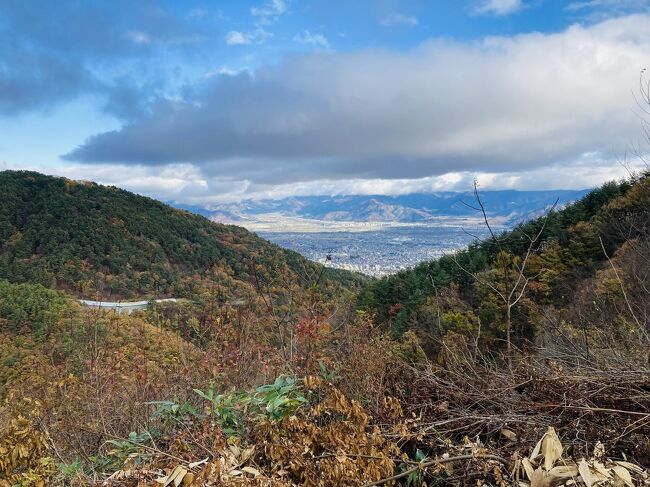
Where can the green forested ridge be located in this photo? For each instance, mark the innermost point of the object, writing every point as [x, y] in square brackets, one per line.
[102, 241]
[568, 249]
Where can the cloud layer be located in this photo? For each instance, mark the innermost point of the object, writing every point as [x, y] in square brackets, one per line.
[531, 110]
[501, 104]
[186, 183]
[497, 7]
[53, 52]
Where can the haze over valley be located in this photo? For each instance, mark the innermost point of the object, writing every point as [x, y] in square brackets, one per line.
[382, 234]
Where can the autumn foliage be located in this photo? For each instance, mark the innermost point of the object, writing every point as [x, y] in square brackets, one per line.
[285, 379]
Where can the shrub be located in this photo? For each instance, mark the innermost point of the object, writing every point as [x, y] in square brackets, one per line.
[30, 305]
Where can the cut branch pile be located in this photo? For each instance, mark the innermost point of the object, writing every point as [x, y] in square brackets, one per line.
[473, 429]
[509, 410]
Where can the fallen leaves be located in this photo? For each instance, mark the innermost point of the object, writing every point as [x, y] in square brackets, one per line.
[556, 471]
[549, 447]
[177, 476]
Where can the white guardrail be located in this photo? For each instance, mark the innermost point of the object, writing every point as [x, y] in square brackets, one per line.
[124, 306]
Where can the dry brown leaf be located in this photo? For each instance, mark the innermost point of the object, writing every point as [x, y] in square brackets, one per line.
[188, 479]
[540, 479]
[116, 475]
[600, 471]
[537, 449]
[246, 454]
[528, 468]
[599, 450]
[196, 464]
[176, 476]
[564, 471]
[623, 474]
[179, 476]
[585, 473]
[509, 434]
[629, 466]
[252, 471]
[551, 448]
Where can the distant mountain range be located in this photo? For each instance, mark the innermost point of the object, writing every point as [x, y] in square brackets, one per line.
[509, 206]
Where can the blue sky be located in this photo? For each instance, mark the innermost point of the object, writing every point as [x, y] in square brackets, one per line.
[204, 101]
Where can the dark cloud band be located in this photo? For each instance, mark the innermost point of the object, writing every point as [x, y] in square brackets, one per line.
[500, 104]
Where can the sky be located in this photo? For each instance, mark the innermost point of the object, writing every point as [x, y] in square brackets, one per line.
[198, 102]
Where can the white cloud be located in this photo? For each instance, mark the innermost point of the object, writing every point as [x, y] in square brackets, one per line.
[587, 171]
[394, 19]
[265, 14]
[237, 38]
[598, 10]
[609, 4]
[224, 71]
[197, 13]
[138, 37]
[270, 11]
[142, 38]
[497, 7]
[307, 38]
[505, 105]
[187, 183]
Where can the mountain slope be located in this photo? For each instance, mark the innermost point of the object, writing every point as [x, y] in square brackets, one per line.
[171, 385]
[471, 283]
[512, 206]
[103, 241]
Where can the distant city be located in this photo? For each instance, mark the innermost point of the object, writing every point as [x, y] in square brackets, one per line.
[378, 234]
[378, 252]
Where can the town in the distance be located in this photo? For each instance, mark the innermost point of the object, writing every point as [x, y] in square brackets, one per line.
[379, 235]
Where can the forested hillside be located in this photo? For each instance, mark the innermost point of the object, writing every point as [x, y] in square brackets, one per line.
[522, 360]
[467, 288]
[98, 241]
